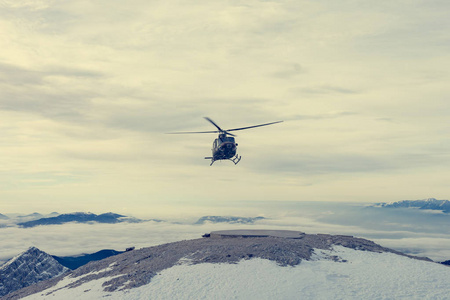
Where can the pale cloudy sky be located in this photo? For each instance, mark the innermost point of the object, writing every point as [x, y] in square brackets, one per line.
[88, 90]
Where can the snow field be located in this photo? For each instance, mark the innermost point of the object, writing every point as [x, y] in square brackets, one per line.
[365, 275]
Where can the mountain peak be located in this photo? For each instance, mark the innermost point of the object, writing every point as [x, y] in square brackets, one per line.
[27, 268]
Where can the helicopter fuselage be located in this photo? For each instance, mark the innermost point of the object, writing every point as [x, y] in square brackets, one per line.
[224, 147]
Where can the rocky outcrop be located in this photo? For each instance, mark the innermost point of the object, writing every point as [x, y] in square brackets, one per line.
[28, 268]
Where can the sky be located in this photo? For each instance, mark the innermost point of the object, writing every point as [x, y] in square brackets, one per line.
[89, 89]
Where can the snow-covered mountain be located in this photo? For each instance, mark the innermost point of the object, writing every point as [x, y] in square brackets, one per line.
[10, 220]
[228, 219]
[28, 268]
[80, 217]
[252, 265]
[430, 203]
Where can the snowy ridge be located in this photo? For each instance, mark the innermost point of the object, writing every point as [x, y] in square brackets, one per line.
[28, 268]
[136, 271]
[430, 203]
[321, 278]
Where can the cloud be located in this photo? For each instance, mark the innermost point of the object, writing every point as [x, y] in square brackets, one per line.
[331, 115]
[325, 89]
[49, 92]
[88, 90]
[289, 71]
[326, 164]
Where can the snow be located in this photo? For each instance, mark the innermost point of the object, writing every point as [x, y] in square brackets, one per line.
[10, 261]
[356, 275]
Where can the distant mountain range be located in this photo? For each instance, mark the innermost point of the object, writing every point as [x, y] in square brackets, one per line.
[74, 262]
[37, 219]
[80, 217]
[228, 219]
[430, 203]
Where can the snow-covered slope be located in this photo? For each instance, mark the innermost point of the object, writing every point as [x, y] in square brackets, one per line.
[298, 266]
[28, 268]
[363, 275]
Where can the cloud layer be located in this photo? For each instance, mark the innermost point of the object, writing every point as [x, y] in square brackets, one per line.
[87, 91]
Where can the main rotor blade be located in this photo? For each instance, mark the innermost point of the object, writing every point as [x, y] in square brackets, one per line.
[242, 128]
[189, 132]
[226, 132]
[212, 122]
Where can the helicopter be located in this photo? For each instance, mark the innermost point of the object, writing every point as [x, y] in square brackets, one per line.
[225, 146]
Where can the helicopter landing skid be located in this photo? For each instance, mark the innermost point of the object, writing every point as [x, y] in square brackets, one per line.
[212, 160]
[236, 159]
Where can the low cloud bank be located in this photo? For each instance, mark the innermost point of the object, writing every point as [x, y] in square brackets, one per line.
[411, 231]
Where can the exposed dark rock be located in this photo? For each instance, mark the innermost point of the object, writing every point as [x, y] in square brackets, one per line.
[28, 268]
[447, 262]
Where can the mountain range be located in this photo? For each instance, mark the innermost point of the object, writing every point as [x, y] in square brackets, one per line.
[36, 219]
[74, 262]
[80, 217]
[228, 219]
[263, 264]
[430, 203]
